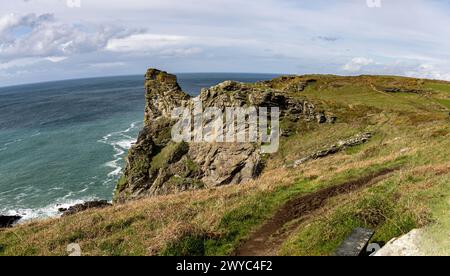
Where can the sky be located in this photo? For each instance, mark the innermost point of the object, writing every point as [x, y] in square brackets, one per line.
[45, 40]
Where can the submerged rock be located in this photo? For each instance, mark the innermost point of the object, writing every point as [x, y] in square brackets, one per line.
[8, 221]
[83, 207]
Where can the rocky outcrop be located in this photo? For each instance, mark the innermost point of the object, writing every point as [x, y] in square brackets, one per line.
[8, 221]
[399, 89]
[97, 204]
[300, 86]
[407, 245]
[163, 94]
[156, 165]
[339, 146]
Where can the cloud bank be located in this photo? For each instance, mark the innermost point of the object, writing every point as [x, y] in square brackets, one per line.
[49, 39]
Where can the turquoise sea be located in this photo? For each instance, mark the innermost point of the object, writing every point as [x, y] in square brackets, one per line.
[64, 142]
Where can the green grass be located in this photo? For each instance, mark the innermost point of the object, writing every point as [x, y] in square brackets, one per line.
[378, 208]
[163, 157]
[436, 239]
[443, 87]
[120, 185]
[236, 224]
[189, 245]
[404, 201]
[444, 102]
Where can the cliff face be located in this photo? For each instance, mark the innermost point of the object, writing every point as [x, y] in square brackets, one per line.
[157, 165]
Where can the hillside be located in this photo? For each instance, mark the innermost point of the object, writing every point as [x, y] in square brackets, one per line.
[381, 163]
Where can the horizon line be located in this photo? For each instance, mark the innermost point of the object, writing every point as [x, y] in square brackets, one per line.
[218, 72]
[133, 75]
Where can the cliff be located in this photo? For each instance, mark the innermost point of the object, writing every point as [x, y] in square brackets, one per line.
[383, 165]
[157, 165]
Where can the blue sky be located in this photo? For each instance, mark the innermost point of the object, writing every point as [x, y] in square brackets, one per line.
[42, 40]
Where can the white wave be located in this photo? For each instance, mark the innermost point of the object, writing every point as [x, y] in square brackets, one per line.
[117, 171]
[84, 189]
[48, 211]
[69, 194]
[18, 140]
[125, 144]
[121, 133]
[114, 165]
[10, 191]
[13, 142]
[121, 142]
[132, 126]
[5, 145]
[20, 196]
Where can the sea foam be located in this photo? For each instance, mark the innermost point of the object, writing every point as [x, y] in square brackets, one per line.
[121, 142]
[48, 211]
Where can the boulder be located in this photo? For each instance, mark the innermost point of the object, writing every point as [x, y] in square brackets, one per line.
[83, 207]
[407, 245]
[8, 221]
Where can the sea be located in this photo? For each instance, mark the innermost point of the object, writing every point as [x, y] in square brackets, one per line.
[64, 142]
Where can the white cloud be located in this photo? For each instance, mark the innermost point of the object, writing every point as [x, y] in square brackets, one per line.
[7, 21]
[19, 63]
[103, 65]
[429, 71]
[357, 63]
[46, 37]
[56, 59]
[286, 36]
[181, 52]
[10, 21]
[144, 42]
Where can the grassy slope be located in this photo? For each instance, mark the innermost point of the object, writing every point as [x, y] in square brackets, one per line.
[411, 131]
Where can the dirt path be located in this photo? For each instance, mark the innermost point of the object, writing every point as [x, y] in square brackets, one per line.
[268, 239]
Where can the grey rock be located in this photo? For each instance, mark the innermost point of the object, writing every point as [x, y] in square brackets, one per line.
[339, 146]
[406, 245]
[97, 204]
[8, 221]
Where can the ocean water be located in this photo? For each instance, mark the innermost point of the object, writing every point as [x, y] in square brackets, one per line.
[63, 143]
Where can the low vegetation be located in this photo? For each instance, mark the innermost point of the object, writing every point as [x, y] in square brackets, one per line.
[411, 137]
